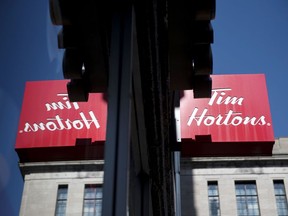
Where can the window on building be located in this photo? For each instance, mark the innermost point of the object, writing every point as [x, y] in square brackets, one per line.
[213, 195]
[281, 199]
[247, 198]
[92, 205]
[61, 200]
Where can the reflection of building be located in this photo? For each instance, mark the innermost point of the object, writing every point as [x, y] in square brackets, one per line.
[255, 184]
[78, 185]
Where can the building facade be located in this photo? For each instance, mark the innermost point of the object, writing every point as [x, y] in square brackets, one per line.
[62, 188]
[209, 186]
[236, 185]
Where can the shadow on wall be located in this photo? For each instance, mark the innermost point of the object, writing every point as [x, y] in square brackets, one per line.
[186, 182]
[188, 207]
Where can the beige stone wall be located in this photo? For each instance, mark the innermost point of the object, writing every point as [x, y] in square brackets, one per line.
[40, 189]
[196, 172]
[40, 192]
[194, 188]
[281, 146]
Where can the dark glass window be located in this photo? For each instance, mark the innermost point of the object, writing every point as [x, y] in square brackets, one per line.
[281, 199]
[247, 198]
[92, 200]
[61, 200]
[213, 196]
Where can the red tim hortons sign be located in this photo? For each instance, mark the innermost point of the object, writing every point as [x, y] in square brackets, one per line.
[235, 121]
[53, 128]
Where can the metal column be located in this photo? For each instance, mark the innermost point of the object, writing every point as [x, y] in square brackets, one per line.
[117, 147]
[177, 156]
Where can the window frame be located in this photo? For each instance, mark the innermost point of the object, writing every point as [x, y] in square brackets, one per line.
[214, 197]
[282, 197]
[95, 200]
[247, 199]
[60, 200]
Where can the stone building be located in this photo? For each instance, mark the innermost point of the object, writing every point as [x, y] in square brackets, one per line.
[252, 185]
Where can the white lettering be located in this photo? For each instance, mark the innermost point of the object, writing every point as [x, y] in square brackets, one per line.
[84, 120]
[89, 122]
[58, 123]
[34, 127]
[230, 118]
[77, 124]
[51, 126]
[60, 105]
[219, 95]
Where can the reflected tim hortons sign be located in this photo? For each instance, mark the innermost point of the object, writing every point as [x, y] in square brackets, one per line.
[49, 119]
[236, 116]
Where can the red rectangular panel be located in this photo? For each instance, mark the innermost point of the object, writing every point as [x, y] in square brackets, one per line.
[48, 119]
[238, 111]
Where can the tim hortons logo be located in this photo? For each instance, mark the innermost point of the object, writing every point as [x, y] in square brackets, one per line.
[85, 121]
[231, 117]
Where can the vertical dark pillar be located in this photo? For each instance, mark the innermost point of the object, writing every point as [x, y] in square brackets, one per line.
[117, 147]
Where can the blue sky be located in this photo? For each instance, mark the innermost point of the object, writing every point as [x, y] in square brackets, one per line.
[250, 37]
